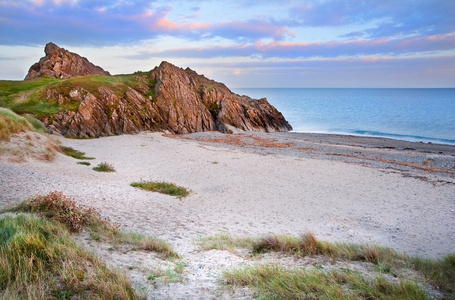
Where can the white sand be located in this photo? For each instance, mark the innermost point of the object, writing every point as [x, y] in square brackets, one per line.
[243, 193]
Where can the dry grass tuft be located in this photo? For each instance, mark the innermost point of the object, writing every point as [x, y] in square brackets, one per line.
[309, 245]
[57, 206]
[277, 243]
[158, 246]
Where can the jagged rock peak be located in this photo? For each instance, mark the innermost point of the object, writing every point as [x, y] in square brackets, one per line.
[61, 63]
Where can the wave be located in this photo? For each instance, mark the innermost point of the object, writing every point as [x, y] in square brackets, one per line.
[395, 136]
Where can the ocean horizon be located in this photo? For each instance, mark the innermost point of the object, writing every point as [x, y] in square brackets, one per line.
[412, 114]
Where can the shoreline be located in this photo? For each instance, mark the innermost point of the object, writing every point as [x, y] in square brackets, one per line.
[400, 138]
[326, 183]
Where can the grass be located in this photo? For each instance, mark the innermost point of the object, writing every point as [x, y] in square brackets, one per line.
[383, 261]
[32, 96]
[40, 260]
[162, 187]
[85, 163]
[145, 243]
[223, 242]
[172, 274]
[273, 282]
[12, 123]
[74, 153]
[57, 207]
[104, 167]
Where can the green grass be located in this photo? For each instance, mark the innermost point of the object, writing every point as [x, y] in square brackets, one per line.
[172, 274]
[40, 260]
[104, 167]
[85, 163]
[273, 282]
[32, 96]
[162, 187]
[74, 153]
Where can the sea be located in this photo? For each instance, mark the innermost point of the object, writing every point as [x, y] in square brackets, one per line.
[413, 114]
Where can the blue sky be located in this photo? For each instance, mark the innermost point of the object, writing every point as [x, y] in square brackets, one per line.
[244, 43]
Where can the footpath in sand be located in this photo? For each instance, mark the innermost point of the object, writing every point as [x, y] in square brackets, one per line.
[344, 189]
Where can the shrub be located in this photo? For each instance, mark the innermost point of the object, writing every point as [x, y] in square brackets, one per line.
[56, 206]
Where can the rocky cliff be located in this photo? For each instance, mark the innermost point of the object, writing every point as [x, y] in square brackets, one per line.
[167, 98]
[60, 63]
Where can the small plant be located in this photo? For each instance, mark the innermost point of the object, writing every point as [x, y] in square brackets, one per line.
[74, 153]
[85, 163]
[162, 187]
[104, 167]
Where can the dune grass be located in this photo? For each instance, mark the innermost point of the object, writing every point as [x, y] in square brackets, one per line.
[74, 153]
[104, 167]
[40, 260]
[12, 123]
[223, 241]
[57, 207]
[162, 187]
[272, 282]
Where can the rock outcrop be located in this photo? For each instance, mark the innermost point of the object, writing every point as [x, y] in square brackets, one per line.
[60, 63]
[168, 98]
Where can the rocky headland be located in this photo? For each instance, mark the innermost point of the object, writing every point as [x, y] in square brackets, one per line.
[168, 98]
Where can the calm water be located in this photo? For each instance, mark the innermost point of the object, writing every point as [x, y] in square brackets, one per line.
[426, 115]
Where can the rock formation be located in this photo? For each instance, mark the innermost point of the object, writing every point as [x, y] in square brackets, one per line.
[60, 63]
[168, 98]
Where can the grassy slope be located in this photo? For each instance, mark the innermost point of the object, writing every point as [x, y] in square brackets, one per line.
[31, 96]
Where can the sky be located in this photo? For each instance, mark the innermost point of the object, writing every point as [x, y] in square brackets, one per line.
[244, 43]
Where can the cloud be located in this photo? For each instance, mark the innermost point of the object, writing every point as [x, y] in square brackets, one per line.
[390, 17]
[287, 50]
[75, 22]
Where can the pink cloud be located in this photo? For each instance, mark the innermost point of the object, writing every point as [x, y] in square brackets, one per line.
[160, 22]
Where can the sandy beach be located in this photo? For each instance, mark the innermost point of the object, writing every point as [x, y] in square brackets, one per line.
[343, 189]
